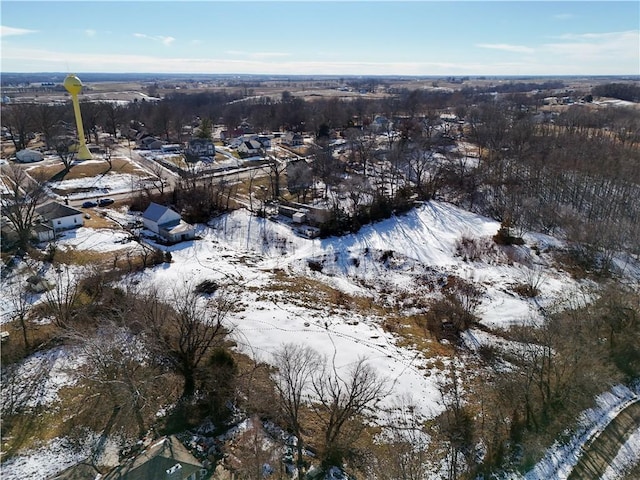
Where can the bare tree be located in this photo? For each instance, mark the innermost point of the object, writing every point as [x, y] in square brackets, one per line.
[66, 154]
[455, 424]
[19, 206]
[295, 366]
[108, 146]
[62, 300]
[276, 171]
[113, 117]
[18, 119]
[187, 330]
[20, 301]
[403, 452]
[340, 401]
[47, 121]
[120, 368]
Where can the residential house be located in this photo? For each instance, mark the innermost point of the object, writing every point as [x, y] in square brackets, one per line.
[150, 143]
[167, 459]
[265, 141]
[167, 223]
[249, 148]
[171, 148]
[201, 147]
[59, 216]
[292, 139]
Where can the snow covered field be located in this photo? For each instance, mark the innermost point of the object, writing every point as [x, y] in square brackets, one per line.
[248, 254]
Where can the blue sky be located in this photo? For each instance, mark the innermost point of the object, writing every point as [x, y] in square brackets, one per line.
[322, 37]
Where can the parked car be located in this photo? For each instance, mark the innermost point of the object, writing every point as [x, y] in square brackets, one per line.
[103, 202]
[89, 204]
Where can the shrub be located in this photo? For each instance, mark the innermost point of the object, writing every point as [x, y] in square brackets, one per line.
[315, 265]
[207, 287]
[504, 237]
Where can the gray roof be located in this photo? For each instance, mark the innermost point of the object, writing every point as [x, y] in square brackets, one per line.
[154, 212]
[54, 210]
[159, 461]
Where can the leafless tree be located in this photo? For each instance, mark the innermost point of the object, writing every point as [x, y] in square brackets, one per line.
[65, 152]
[187, 329]
[18, 118]
[62, 299]
[339, 402]
[295, 365]
[119, 368]
[19, 206]
[276, 171]
[20, 301]
[403, 450]
[455, 424]
[113, 117]
[47, 120]
[107, 145]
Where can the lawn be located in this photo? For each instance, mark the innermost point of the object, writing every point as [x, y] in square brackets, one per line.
[87, 169]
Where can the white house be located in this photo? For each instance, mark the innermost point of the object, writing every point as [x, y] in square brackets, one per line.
[201, 147]
[60, 217]
[167, 224]
[292, 139]
[250, 147]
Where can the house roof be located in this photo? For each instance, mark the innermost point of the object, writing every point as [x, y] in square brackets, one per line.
[79, 471]
[166, 459]
[54, 210]
[154, 212]
[178, 228]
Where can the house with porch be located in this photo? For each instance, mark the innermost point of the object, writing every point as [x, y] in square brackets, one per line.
[167, 224]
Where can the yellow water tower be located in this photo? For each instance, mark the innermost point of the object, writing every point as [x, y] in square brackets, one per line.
[73, 86]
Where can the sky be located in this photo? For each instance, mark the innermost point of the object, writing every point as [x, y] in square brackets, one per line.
[322, 37]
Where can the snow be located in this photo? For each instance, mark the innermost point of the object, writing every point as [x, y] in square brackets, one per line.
[99, 240]
[562, 457]
[41, 376]
[42, 462]
[112, 183]
[627, 458]
[246, 253]
[243, 250]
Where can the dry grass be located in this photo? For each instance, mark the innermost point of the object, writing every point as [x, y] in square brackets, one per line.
[99, 220]
[86, 169]
[314, 295]
[72, 256]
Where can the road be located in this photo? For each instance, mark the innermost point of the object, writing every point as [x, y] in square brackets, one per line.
[600, 452]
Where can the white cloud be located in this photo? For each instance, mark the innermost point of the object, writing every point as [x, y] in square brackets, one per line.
[563, 16]
[8, 31]
[595, 47]
[269, 54]
[156, 38]
[90, 33]
[505, 47]
[167, 40]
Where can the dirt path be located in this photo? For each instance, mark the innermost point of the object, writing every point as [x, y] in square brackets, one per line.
[600, 451]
